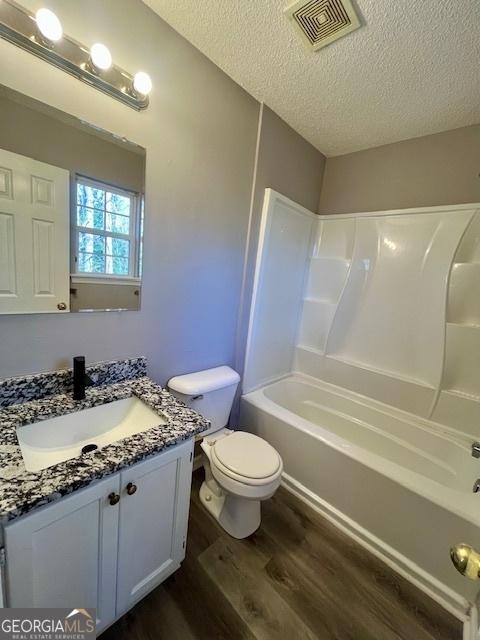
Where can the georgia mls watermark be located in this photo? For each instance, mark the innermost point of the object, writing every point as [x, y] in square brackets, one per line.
[47, 624]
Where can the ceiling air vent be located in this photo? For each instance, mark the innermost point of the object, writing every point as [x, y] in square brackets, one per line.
[323, 21]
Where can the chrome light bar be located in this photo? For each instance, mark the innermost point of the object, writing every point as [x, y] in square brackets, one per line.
[19, 26]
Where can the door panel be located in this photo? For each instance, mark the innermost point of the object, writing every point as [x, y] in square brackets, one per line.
[34, 235]
[7, 256]
[153, 523]
[65, 554]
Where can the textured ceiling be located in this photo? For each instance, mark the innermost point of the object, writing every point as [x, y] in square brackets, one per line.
[413, 68]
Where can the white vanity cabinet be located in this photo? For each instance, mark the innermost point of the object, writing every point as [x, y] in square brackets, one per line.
[153, 523]
[65, 554]
[105, 546]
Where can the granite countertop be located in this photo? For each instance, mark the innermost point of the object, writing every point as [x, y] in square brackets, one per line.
[22, 490]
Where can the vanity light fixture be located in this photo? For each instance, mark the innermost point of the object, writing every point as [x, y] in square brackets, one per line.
[101, 57]
[49, 25]
[142, 83]
[42, 34]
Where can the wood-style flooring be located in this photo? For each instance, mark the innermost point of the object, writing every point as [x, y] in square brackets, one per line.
[296, 578]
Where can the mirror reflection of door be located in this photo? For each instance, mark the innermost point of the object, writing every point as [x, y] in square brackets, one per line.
[34, 236]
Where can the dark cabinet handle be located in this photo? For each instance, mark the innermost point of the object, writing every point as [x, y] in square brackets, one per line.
[131, 488]
[113, 498]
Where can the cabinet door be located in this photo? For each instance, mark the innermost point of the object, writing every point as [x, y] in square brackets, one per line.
[153, 522]
[65, 554]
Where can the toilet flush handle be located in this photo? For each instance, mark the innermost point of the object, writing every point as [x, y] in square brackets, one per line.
[199, 397]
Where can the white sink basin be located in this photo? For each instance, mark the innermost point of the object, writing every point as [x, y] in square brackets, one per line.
[49, 442]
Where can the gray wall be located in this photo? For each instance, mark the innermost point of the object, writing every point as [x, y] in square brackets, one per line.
[200, 135]
[289, 164]
[432, 170]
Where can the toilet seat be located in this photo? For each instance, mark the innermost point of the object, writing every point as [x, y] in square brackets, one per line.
[245, 455]
[246, 459]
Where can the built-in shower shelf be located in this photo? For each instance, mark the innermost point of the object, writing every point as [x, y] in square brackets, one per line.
[464, 325]
[320, 300]
[468, 325]
[306, 347]
[333, 259]
[458, 393]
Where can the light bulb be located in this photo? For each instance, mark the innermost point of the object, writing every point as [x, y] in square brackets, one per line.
[101, 56]
[49, 25]
[142, 83]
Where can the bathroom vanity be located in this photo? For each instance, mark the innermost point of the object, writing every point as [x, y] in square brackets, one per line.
[100, 529]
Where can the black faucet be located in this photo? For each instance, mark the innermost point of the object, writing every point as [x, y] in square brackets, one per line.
[80, 378]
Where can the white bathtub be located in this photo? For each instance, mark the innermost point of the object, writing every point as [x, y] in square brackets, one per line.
[400, 485]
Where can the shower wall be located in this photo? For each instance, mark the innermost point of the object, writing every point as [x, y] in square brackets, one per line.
[284, 246]
[390, 308]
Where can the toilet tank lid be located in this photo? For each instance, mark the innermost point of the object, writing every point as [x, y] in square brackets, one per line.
[192, 384]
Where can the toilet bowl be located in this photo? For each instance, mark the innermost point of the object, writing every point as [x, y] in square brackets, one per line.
[241, 470]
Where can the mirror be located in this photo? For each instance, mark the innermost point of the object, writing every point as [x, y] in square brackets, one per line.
[71, 212]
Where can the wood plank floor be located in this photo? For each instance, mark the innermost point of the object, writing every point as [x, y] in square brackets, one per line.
[296, 578]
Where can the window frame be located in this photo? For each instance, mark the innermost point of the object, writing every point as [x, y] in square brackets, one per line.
[134, 236]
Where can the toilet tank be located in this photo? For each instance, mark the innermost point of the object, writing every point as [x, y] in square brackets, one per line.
[210, 392]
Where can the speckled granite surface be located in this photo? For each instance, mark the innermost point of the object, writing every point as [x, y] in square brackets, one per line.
[41, 385]
[21, 490]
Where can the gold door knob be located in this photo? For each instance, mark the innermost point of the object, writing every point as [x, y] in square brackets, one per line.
[131, 488]
[466, 560]
[62, 306]
[113, 498]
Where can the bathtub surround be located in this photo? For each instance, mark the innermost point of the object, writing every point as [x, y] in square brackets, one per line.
[427, 171]
[22, 490]
[345, 303]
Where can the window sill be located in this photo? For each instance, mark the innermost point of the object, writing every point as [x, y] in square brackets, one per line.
[91, 278]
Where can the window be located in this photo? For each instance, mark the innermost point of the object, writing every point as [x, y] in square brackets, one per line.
[108, 230]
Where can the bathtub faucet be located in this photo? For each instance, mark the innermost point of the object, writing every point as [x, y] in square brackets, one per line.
[476, 449]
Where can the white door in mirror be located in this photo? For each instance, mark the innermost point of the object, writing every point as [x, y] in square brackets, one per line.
[34, 236]
[49, 442]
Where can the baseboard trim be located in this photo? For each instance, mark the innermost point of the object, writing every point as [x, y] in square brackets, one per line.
[448, 599]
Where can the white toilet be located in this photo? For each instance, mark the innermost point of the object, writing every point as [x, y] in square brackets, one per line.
[240, 469]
